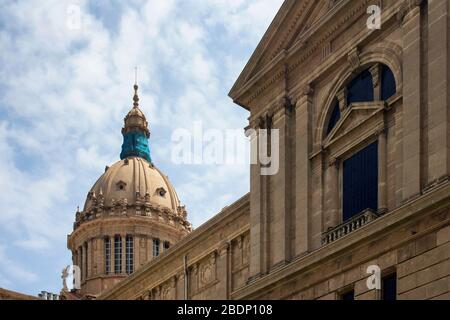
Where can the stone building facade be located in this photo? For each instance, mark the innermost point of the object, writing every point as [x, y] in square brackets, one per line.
[364, 143]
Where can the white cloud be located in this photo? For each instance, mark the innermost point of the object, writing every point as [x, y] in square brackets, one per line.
[64, 93]
[11, 271]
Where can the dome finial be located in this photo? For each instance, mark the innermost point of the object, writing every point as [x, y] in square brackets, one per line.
[136, 97]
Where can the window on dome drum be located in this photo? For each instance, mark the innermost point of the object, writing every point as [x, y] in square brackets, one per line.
[388, 86]
[349, 295]
[155, 247]
[80, 261]
[166, 245]
[107, 249]
[389, 287]
[129, 254]
[360, 182]
[117, 254]
[334, 117]
[86, 260]
[360, 89]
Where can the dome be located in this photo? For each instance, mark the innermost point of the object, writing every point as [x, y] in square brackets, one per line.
[133, 180]
[131, 214]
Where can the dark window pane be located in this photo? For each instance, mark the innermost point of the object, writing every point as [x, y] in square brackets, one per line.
[334, 117]
[348, 295]
[360, 185]
[360, 89]
[388, 87]
[389, 287]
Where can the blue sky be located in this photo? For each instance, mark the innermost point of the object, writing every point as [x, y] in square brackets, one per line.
[65, 88]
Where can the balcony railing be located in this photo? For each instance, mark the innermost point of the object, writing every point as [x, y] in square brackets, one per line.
[348, 226]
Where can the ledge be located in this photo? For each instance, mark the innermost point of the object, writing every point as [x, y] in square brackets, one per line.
[432, 201]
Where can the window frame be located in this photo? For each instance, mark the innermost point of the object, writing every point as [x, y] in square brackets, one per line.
[156, 243]
[107, 254]
[349, 155]
[129, 254]
[118, 250]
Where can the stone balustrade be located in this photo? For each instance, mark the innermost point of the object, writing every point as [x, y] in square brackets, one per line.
[348, 226]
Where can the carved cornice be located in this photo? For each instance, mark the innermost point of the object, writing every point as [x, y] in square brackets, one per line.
[309, 47]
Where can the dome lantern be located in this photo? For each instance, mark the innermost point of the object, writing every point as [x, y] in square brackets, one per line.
[135, 132]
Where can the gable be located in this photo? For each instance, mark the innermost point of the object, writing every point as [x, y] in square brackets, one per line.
[354, 116]
[294, 19]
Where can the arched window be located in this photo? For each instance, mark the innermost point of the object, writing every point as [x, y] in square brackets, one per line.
[334, 117]
[117, 254]
[129, 254]
[107, 249]
[388, 87]
[360, 89]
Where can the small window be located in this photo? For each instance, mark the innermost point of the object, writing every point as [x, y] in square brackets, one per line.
[334, 117]
[389, 287]
[161, 192]
[360, 89]
[155, 247]
[121, 185]
[349, 295]
[166, 245]
[388, 87]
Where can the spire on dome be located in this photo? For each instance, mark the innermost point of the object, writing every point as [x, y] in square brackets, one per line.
[136, 97]
[135, 131]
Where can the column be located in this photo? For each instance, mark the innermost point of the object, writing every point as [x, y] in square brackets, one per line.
[332, 190]
[411, 103]
[223, 272]
[88, 259]
[438, 90]
[280, 222]
[303, 195]
[257, 244]
[136, 252]
[382, 172]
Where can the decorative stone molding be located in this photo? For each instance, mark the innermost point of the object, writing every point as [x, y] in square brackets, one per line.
[408, 9]
[239, 242]
[353, 59]
[223, 249]
[333, 162]
[265, 121]
[307, 90]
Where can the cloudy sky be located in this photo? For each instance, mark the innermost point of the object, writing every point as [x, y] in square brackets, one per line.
[66, 76]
